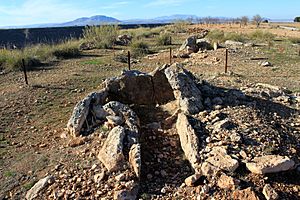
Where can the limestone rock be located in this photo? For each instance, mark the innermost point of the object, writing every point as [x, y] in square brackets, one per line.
[111, 154]
[162, 88]
[127, 194]
[185, 90]
[270, 193]
[246, 194]
[82, 110]
[227, 182]
[41, 184]
[270, 164]
[219, 158]
[188, 139]
[190, 44]
[191, 180]
[209, 170]
[135, 159]
[266, 64]
[233, 43]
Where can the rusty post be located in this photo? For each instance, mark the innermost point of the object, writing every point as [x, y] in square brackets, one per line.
[170, 56]
[170, 40]
[226, 60]
[128, 60]
[24, 70]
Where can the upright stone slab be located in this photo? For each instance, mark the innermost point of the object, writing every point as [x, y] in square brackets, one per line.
[188, 139]
[185, 90]
[111, 154]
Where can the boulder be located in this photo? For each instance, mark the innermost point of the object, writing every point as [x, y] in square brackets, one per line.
[132, 87]
[124, 40]
[185, 90]
[111, 154]
[190, 44]
[270, 193]
[270, 164]
[266, 64]
[219, 158]
[246, 194]
[162, 89]
[41, 184]
[204, 44]
[135, 159]
[188, 139]
[82, 109]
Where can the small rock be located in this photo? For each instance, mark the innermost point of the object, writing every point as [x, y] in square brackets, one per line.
[220, 159]
[270, 193]
[270, 164]
[191, 180]
[266, 64]
[41, 184]
[99, 177]
[246, 194]
[227, 182]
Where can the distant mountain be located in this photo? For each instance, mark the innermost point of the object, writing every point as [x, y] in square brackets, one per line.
[101, 19]
[94, 20]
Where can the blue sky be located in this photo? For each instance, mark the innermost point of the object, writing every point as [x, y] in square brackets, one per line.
[24, 12]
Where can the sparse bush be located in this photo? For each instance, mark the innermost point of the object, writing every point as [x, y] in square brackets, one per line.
[216, 36]
[139, 48]
[235, 37]
[164, 39]
[69, 49]
[180, 26]
[103, 36]
[262, 36]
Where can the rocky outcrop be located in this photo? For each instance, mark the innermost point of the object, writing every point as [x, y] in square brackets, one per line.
[270, 164]
[188, 139]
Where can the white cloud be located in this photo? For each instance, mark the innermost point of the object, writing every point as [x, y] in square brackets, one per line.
[115, 5]
[165, 3]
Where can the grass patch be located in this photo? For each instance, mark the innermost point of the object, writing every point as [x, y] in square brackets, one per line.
[294, 40]
[93, 62]
[9, 174]
[29, 185]
[35, 56]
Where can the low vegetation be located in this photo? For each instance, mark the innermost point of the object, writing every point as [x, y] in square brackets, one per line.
[139, 48]
[164, 39]
[102, 37]
[34, 56]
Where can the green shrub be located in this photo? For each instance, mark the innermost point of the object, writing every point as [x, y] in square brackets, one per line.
[180, 26]
[235, 37]
[139, 48]
[293, 40]
[164, 39]
[216, 36]
[262, 36]
[103, 36]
